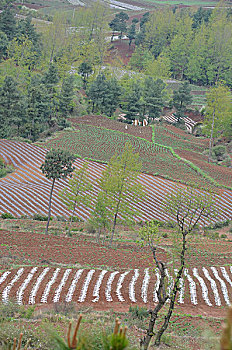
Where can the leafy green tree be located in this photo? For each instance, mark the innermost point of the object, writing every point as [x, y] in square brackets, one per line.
[218, 114]
[153, 96]
[140, 58]
[118, 24]
[100, 216]
[181, 99]
[85, 69]
[8, 23]
[4, 42]
[21, 51]
[77, 192]
[187, 207]
[159, 68]
[66, 96]
[11, 106]
[118, 183]
[38, 108]
[57, 165]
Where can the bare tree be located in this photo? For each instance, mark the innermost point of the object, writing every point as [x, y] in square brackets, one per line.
[187, 208]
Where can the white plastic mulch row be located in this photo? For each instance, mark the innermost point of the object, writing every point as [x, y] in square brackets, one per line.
[204, 285]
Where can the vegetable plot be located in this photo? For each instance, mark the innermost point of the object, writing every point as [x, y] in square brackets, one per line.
[202, 286]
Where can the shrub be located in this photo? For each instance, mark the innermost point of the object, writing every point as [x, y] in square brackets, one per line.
[138, 312]
[223, 235]
[41, 217]
[7, 216]
[89, 227]
[213, 235]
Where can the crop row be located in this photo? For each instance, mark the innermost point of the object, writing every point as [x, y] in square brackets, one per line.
[26, 191]
[208, 286]
[101, 144]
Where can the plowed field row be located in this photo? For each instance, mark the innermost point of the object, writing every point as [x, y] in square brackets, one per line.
[29, 285]
[26, 191]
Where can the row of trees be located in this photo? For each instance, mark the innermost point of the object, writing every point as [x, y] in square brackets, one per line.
[42, 104]
[188, 45]
[118, 182]
[136, 97]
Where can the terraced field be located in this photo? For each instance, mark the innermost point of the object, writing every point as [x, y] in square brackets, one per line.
[25, 191]
[100, 144]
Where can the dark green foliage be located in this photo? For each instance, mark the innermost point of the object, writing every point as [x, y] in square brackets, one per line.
[134, 103]
[85, 69]
[58, 164]
[118, 24]
[138, 312]
[66, 96]
[7, 216]
[202, 15]
[4, 41]
[11, 106]
[8, 23]
[131, 34]
[40, 217]
[153, 97]
[104, 95]
[181, 99]
[5, 169]
[38, 108]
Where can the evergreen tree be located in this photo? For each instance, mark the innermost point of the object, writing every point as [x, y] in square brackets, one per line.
[66, 96]
[104, 95]
[4, 42]
[57, 165]
[118, 24]
[181, 99]
[84, 70]
[11, 106]
[38, 108]
[51, 80]
[134, 102]
[131, 34]
[153, 97]
[8, 23]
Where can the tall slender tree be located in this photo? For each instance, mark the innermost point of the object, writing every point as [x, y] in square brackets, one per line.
[121, 188]
[57, 165]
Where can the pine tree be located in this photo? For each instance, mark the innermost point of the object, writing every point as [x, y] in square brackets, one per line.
[8, 23]
[134, 102]
[51, 80]
[85, 69]
[57, 165]
[11, 106]
[66, 96]
[38, 108]
[153, 97]
[181, 99]
[4, 42]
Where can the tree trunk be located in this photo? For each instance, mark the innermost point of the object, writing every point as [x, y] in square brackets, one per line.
[71, 219]
[174, 293]
[211, 138]
[49, 206]
[161, 294]
[113, 230]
